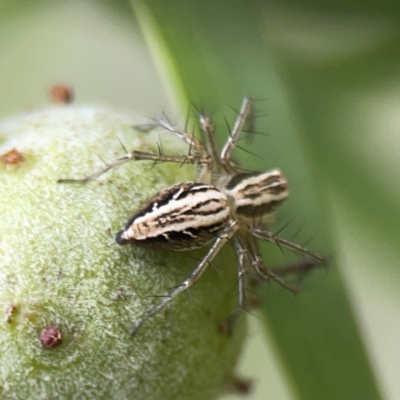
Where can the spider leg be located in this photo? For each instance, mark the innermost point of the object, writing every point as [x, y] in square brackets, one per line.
[194, 276]
[297, 270]
[246, 111]
[208, 129]
[299, 267]
[186, 137]
[276, 274]
[263, 234]
[261, 269]
[241, 252]
[197, 154]
[138, 156]
[196, 149]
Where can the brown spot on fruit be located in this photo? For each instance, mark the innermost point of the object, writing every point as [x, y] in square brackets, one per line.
[61, 94]
[50, 337]
[11, 158]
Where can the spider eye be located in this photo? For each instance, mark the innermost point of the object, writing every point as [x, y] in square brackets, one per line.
[257, 194]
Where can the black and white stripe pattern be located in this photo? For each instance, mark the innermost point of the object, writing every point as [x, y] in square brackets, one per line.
[255, 194]
[181, 217]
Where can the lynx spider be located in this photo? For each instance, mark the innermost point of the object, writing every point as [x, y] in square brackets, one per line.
[221, 205]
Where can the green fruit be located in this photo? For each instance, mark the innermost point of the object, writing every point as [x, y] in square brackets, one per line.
[61, 270]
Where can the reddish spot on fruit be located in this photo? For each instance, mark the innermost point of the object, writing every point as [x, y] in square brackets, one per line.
[61, 94]
[12, 157]
[50, 337]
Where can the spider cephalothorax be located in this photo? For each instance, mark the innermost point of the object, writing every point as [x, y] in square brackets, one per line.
[222, 205]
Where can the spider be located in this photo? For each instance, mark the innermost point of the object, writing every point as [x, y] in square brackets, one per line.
[222, 205]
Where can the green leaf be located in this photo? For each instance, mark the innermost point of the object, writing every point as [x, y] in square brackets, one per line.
[214, 53]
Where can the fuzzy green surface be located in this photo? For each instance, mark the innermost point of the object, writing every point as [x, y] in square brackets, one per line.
[60, 265]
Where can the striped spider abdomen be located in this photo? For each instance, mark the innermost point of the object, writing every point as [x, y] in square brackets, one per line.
[181, 217]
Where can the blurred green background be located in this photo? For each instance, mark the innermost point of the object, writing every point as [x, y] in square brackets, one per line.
[328, 78]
